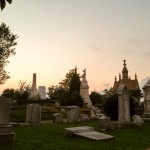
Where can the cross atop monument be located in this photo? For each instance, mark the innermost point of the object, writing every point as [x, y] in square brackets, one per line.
[124, 63]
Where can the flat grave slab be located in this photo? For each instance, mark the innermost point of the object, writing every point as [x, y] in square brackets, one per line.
[95, 136]
[71, 131]
[87, 132]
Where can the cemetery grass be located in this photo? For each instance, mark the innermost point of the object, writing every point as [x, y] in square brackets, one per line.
[51, 137]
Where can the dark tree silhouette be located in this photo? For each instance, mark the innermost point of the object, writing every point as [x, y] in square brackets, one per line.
[7, 44]
[3, 3]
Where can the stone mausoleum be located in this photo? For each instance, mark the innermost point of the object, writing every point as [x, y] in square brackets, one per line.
[131, 84]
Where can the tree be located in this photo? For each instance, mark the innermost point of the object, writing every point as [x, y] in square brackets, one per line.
[71, 87]
[23, 92]
[7, 43]
[3, 3]
[9, 93]
[65, 83]
[96, 98]
[74, 84]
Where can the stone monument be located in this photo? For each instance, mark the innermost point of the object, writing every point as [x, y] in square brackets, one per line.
[34, 95]
[33, 114]
[84, 91]
[146, 90]
[6, 133]
[42, 92]
[123, 105]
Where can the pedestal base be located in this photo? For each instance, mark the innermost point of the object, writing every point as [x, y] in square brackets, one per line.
[6, 134]
[121, 125]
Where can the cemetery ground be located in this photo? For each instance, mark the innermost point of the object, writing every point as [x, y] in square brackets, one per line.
[50, 136]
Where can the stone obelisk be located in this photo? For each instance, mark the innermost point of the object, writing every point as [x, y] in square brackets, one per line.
[84, 91]
[34, 92]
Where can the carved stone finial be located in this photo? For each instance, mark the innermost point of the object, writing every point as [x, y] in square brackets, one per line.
[124, 63]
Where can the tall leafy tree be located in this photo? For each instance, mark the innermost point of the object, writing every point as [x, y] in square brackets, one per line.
[3, 3]
[65, 83]
[7, 44]
[23, 92]
[9, 93]
[71, 86]
[96, 98]
[75, 82]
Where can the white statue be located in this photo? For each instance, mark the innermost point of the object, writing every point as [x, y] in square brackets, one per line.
[84, 73]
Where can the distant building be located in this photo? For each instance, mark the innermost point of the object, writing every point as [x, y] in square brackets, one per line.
[132, 85]
[42, 92]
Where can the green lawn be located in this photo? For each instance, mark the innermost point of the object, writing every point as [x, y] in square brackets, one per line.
[51, 137]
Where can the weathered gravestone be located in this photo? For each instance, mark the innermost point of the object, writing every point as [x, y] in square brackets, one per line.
[6, 133]
[58, 118]
[33, 114]
[84, 117]
[72, 114]
[104, 123]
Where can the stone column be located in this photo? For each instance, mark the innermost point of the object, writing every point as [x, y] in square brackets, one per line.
[6, 133]
[123, 105]
[126, 106]
[146, 90]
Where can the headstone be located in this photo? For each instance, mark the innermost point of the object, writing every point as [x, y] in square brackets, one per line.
[34, 95]
[86, 132]
[84, 91]
[123, 105]
[104, 123]
[58, 118]
[33, 114]
[6, 133]
[72, 114]
[146, 90]
[84, 117]
[137, 119]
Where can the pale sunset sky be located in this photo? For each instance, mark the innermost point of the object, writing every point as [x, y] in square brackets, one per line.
[57, 35]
